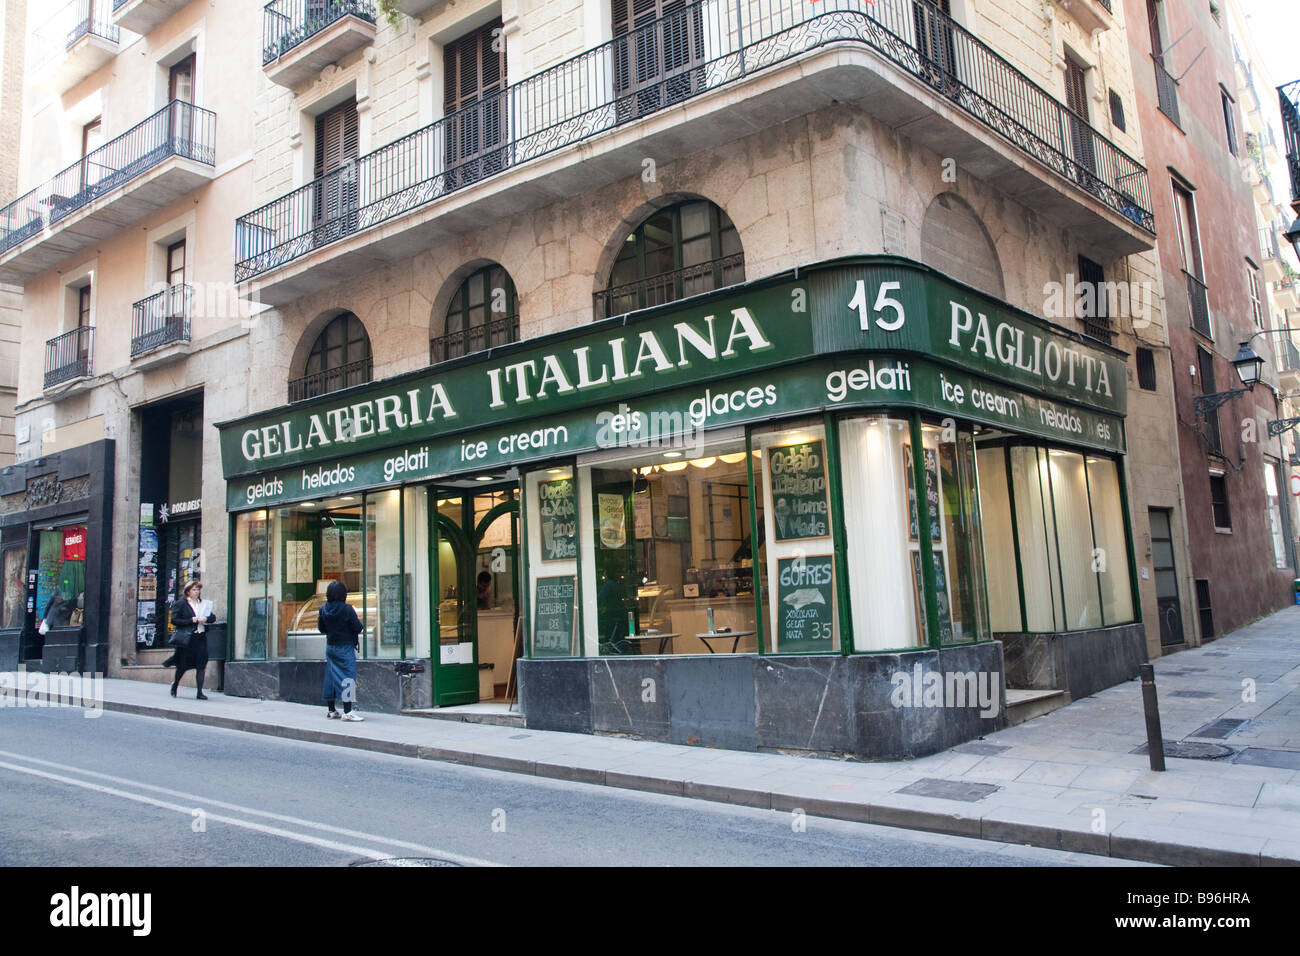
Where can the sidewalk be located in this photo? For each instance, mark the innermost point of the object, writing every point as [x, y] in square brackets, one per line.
[1069, 780]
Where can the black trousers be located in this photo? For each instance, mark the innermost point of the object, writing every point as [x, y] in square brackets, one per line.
[194, 657]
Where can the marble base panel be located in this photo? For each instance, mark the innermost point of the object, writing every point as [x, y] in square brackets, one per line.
[1078, 662]
[10, 647]
[379, 688]
[876, 707]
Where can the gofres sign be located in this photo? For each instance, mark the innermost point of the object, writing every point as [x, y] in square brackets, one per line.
[869, 304]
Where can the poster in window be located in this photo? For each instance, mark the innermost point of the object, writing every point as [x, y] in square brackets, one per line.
[147, 586]
[15, 587]
[641, 513]
[931, 460]
[942, 599]
[555, 605]
[805, 605]
[352, 550]
[259, 552]
[331, 552]
[557, 506]
[613, 521]
[298, 557]
[800, 507]
[74, 544]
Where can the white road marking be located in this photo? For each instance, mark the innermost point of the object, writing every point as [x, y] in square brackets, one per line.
[202, 803]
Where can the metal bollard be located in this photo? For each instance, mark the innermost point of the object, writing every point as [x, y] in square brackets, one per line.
[1155, 740]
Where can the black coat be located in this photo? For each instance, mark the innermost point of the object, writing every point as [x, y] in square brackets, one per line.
[183, 615]
[339, 623]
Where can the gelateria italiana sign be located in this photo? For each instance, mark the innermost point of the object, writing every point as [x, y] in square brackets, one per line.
[676, 419]
[844, 308]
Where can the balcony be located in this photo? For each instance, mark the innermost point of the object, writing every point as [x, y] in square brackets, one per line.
[160, 327]
[670, 286]
[476, 338]
[78, 40]
[141, 16]
[1288, 370]
[591, 119]
[1288, 98]
[1090, 14]
[146, 168]
[68, 358]
[302, 37]
[1167, 92]
[330, 380]
[1198, 299]
[413, 8]
[1274, 270]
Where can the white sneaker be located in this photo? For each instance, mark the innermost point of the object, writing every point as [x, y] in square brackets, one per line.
[354, 716]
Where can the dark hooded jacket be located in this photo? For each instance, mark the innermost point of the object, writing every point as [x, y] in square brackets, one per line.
[338, 619]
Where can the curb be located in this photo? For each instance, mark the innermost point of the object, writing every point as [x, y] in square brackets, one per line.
[881, 814]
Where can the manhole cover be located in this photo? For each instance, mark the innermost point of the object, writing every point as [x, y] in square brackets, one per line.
[1219, 729]
[1190, 750]
[949, 789]
[407, 861]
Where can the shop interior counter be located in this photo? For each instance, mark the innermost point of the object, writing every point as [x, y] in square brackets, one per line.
[306, 642]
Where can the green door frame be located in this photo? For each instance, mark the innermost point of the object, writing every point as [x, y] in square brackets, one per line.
[458, 683]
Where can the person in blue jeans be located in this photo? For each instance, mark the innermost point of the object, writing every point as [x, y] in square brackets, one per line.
[339, 623]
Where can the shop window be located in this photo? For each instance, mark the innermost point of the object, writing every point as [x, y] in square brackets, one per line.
[339, 358]
[666, 550]
[802, 594]
[482, 314]
[680, 251]
[286, 557]
[1065, 521]
[1219, 503]
[554, 532]
[13, 611]
[61, 576]
[881, 533]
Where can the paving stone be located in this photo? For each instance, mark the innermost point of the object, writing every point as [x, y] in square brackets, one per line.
[963, 790]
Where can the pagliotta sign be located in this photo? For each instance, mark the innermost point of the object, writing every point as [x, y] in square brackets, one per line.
[852, 332]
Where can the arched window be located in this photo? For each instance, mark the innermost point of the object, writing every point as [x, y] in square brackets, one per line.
[339, 358]
[682, 250]
[482, 314]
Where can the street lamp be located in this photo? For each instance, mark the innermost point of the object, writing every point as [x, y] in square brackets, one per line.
[1292, 235]
[1249, 365]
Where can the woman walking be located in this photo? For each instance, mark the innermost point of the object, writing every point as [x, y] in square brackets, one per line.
[190, 638]
[338, 622]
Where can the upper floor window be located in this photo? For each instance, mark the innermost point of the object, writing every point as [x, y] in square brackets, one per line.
[1256, 300]
[339, 358]
[474, 78]
[683, 250]
[658, 63]
[83, 307]
[483, 314]
[1229, 123]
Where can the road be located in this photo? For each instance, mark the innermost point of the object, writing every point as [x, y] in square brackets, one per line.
[128, 790]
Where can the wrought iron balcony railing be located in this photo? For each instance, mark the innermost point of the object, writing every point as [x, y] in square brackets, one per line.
[92, 19]
[1167, 92]
[1198, 296]
[161, 319]
[696, 49]
[671, 286]
[68, 356]
[178, 129]
[476, 338]
[287, 23]
[330, 380]
[1289, 100]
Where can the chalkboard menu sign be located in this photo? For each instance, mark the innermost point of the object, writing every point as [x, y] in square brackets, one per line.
[942, 599]
[259, 626]
[805, 607]
[555, 605]
[931, 460]
[557, 504]
[393, 623]
[797, 474]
